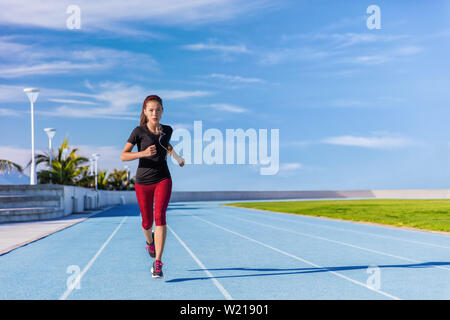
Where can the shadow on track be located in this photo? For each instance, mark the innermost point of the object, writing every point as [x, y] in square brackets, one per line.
[301, 270]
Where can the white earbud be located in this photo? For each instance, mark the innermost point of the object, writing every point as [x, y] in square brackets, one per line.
[177, 157]
[174, 154]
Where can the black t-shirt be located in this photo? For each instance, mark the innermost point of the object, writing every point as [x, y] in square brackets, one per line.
[154, 168]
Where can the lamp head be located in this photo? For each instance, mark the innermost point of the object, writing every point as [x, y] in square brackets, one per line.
[50, 132]
[32, 94]
[96, 155]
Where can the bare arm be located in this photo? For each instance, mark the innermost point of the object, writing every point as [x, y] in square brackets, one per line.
[174, 154]
[127, 155]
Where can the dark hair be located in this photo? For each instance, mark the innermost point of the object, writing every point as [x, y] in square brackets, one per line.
[149, 98]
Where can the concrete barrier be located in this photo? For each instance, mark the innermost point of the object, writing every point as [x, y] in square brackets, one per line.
[73, 199]
[412, 194]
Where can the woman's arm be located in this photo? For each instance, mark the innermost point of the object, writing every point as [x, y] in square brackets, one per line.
[174, 154]
[127, 155]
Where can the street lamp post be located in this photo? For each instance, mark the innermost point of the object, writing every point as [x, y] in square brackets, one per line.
[128, 178]
[64, 154]
[95, 156]
[91, 167]
[32, 94]
[50, 133]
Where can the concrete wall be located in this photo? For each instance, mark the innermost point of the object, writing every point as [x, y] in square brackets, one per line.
[319, 194]
[266, 195]
[107, 198]
[413, 194]
[113, 197]
[73, 198]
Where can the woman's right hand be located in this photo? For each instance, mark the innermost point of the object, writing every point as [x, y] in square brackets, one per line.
[149, 151]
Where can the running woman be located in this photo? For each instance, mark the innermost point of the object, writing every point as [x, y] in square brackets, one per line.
[153, 179]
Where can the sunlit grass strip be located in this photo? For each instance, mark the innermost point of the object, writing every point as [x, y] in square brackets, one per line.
[429, 214]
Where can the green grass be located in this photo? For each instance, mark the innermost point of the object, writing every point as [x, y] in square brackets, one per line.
[428, 214]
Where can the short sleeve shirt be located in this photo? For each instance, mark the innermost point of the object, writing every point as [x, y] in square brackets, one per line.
[154, 168]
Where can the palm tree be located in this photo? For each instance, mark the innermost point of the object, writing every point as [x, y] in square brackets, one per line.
[63, 170]
[118, 179]
[86, 179]
[8, 166]
[130, 184]
[71, 170]
[103, 180]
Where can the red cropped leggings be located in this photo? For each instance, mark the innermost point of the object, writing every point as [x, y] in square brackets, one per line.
[145, 194]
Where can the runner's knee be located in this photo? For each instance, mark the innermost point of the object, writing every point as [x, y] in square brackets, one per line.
[147, 224]
[160, 219]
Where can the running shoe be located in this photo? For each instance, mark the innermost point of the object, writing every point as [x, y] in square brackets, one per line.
[150, 248]
[157, 269]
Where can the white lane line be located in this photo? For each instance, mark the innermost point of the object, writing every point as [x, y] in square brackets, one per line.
[90, 263]
[341, 243]
[302, 260]
[340, 229]
[197, 260]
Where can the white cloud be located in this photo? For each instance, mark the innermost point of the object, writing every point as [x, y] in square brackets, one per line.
[12, 93]
[10, 50]
[389, 55]
[291, 166]
[101, 113]
[21, 60]
[342, 40]
[346, 23]
[116, 15]
[115, 100]
[353, 48]
[72, 101]
[9, 112]
[324, 45]
[350, 103]
[109, 157]
[278, 56]
[228, 107]
[407, 50]
[20, 156]
[179, 125]
[217, 47]
[376, 142]
[288, 54]
[239, 79]
[372, 59]
[181, 94]
[369, 102]
[46, 68]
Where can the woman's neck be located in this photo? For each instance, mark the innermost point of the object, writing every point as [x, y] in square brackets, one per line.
[154, 127]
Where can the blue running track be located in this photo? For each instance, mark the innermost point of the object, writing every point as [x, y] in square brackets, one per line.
[217, 252]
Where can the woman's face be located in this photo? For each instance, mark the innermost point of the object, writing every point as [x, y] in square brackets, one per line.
[153, 111]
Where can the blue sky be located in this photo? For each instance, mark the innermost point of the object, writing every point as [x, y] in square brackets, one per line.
[356, 108]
